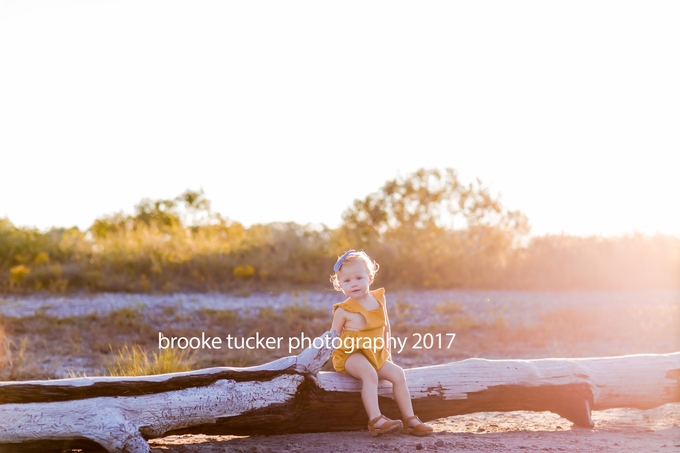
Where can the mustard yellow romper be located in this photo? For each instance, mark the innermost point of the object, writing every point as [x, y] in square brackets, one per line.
[375, 328]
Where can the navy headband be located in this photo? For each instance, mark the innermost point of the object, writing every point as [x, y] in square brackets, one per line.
[338, 264]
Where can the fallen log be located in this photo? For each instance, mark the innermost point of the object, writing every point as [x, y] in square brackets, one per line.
[291, 395]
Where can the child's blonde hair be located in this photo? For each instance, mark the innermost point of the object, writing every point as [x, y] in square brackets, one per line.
[348, 257]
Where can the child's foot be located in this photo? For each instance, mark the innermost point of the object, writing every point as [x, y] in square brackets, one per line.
[383, 425]
[415, 427]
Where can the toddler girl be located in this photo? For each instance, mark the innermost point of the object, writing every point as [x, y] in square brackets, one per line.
[363, 318]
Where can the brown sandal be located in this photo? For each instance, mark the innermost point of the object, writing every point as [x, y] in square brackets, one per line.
[388, 427]
[420, 429]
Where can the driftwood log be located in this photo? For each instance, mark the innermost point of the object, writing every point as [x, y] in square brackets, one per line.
[291, 395]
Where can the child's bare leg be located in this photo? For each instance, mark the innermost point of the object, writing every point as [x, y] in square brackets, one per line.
[358, 366]
[393, 373]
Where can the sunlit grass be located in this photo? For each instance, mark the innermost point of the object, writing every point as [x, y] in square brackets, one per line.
[125, 341]
[136, 361]
[225, 256]
[455, 317]
[14, 363]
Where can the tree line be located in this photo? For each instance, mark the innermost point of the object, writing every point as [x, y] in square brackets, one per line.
[428, 230]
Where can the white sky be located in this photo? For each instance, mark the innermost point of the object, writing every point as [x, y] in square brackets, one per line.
[288, 110]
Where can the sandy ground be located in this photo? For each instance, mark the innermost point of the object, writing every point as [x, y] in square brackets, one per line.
[616, 430]
[600, 324]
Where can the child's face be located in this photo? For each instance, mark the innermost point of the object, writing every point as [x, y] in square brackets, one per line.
[354, 279]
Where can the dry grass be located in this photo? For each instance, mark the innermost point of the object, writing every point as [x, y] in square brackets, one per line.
[15, 363]
[227, 257]
[5, 350]
[136, 361]
[126, 341]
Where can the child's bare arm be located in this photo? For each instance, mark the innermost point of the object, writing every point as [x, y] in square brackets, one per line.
[388, 332]
[339, 320]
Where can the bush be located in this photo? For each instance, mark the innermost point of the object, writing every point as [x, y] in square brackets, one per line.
[427, 230]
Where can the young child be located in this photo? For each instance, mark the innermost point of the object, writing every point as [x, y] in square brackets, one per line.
[363, 316]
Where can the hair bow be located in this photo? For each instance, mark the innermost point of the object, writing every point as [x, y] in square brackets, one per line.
[338, 263]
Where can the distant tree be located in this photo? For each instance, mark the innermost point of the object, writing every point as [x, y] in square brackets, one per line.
[434, 230]
[161, 213]
[108, 225]
[191, 208]
[430, 199]
[197, 207]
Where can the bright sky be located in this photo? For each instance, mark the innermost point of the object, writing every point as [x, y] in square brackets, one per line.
[289, 110]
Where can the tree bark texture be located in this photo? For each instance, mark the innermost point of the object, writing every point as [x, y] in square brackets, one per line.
[291, 395]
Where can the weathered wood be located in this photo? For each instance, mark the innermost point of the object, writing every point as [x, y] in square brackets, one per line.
[119, 413]
[84, 388]
[568, 387]
[291, 395]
